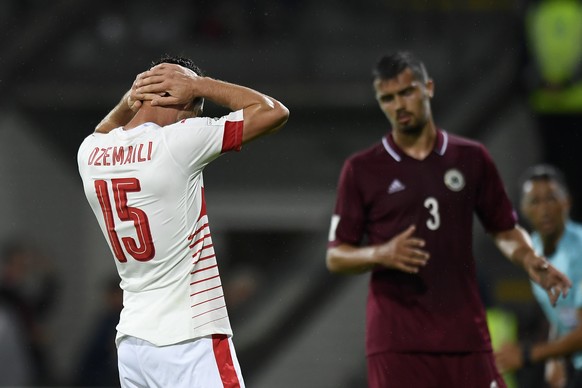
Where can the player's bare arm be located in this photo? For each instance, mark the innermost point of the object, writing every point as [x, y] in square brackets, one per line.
[124, 111]
[262, 114]
[515, 244]
[511, 356]
[403, 252]
[120, 115]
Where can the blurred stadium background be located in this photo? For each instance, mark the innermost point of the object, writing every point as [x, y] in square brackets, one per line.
[64, 64]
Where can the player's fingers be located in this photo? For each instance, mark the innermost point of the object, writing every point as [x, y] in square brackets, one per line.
[157, 88]
[552, 295]
[165, 100]
[150, 80]
[417, 263]
[418, 254]
[144, 96]
[163, 66]
[135, 105]
[141, 76]
[408, 268]
[561, 290]
[415, 242]
[407, 232]
[566, 281]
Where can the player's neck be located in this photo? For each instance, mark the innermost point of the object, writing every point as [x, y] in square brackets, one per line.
[550, 241]
[152, 114]
[417, 145]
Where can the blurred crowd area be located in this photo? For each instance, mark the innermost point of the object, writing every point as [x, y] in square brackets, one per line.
[64, 64]
[29, 290]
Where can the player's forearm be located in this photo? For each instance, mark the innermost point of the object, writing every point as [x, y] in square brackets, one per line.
[120, 115]
[232, 96]
[563, 346]
[348, 259]
[262, 114]
[515, 244]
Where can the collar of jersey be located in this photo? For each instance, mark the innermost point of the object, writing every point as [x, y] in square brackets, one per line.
[396, 153]
[133, 132]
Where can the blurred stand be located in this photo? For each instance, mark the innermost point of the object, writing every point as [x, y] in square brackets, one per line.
[98, 357]
[553, 79]
[28, 290]
[15, 363]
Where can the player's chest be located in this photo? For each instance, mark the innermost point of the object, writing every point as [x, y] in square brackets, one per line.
[410, 186]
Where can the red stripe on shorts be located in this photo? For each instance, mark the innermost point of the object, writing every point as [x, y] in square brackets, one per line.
[226, 369]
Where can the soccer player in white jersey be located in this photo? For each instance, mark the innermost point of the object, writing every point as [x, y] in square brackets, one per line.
[142, 175]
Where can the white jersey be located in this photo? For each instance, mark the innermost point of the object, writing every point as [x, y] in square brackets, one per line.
[146, 189]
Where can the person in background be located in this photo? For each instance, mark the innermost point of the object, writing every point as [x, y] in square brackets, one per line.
[98, 366]
[545, 203]
[404, 213]
[142, 175]
[28, 291]
[16, 368]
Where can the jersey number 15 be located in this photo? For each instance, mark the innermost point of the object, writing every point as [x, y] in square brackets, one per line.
[144, 250]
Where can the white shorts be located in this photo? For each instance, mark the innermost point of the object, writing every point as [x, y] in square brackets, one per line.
[208, 362]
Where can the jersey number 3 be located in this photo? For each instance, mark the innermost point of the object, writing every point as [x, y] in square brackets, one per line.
[144, 250]
[432, 205]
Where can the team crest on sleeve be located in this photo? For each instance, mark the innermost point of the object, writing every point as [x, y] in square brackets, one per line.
[454, 180]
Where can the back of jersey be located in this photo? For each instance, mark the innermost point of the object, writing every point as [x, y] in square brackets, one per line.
[145, 187]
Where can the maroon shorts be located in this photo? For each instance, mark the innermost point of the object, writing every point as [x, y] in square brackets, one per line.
[433, 370]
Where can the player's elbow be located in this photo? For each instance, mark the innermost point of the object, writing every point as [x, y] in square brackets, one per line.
[280, 116]
[265, 120]
[332, 262]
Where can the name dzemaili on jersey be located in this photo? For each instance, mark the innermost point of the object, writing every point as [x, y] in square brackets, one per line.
[113, 156]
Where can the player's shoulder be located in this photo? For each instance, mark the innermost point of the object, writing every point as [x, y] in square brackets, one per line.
[574, 229]
[205, 121]
[466, 148]
[91, 139]
[461, 141]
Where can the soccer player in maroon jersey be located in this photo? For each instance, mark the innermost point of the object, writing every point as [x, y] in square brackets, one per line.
[411, 198]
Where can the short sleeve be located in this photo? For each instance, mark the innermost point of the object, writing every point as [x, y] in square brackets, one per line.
[347, 223]
[575, 272]
[195, 142]
[493, 206]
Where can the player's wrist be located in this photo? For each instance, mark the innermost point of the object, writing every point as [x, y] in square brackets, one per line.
[523, 256]
[372, 255]
[526, 358]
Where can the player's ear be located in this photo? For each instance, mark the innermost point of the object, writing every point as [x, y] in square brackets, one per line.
[430, 88]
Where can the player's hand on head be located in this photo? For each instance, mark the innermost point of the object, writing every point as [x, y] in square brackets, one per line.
[135, 98]
[167, 84]
[403, 252]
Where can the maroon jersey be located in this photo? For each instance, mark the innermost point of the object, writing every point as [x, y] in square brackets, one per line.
[382, 191]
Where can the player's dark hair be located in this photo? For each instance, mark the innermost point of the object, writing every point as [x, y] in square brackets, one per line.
[184, 62]
[544, 172]
[390, 66]
[177, 60]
